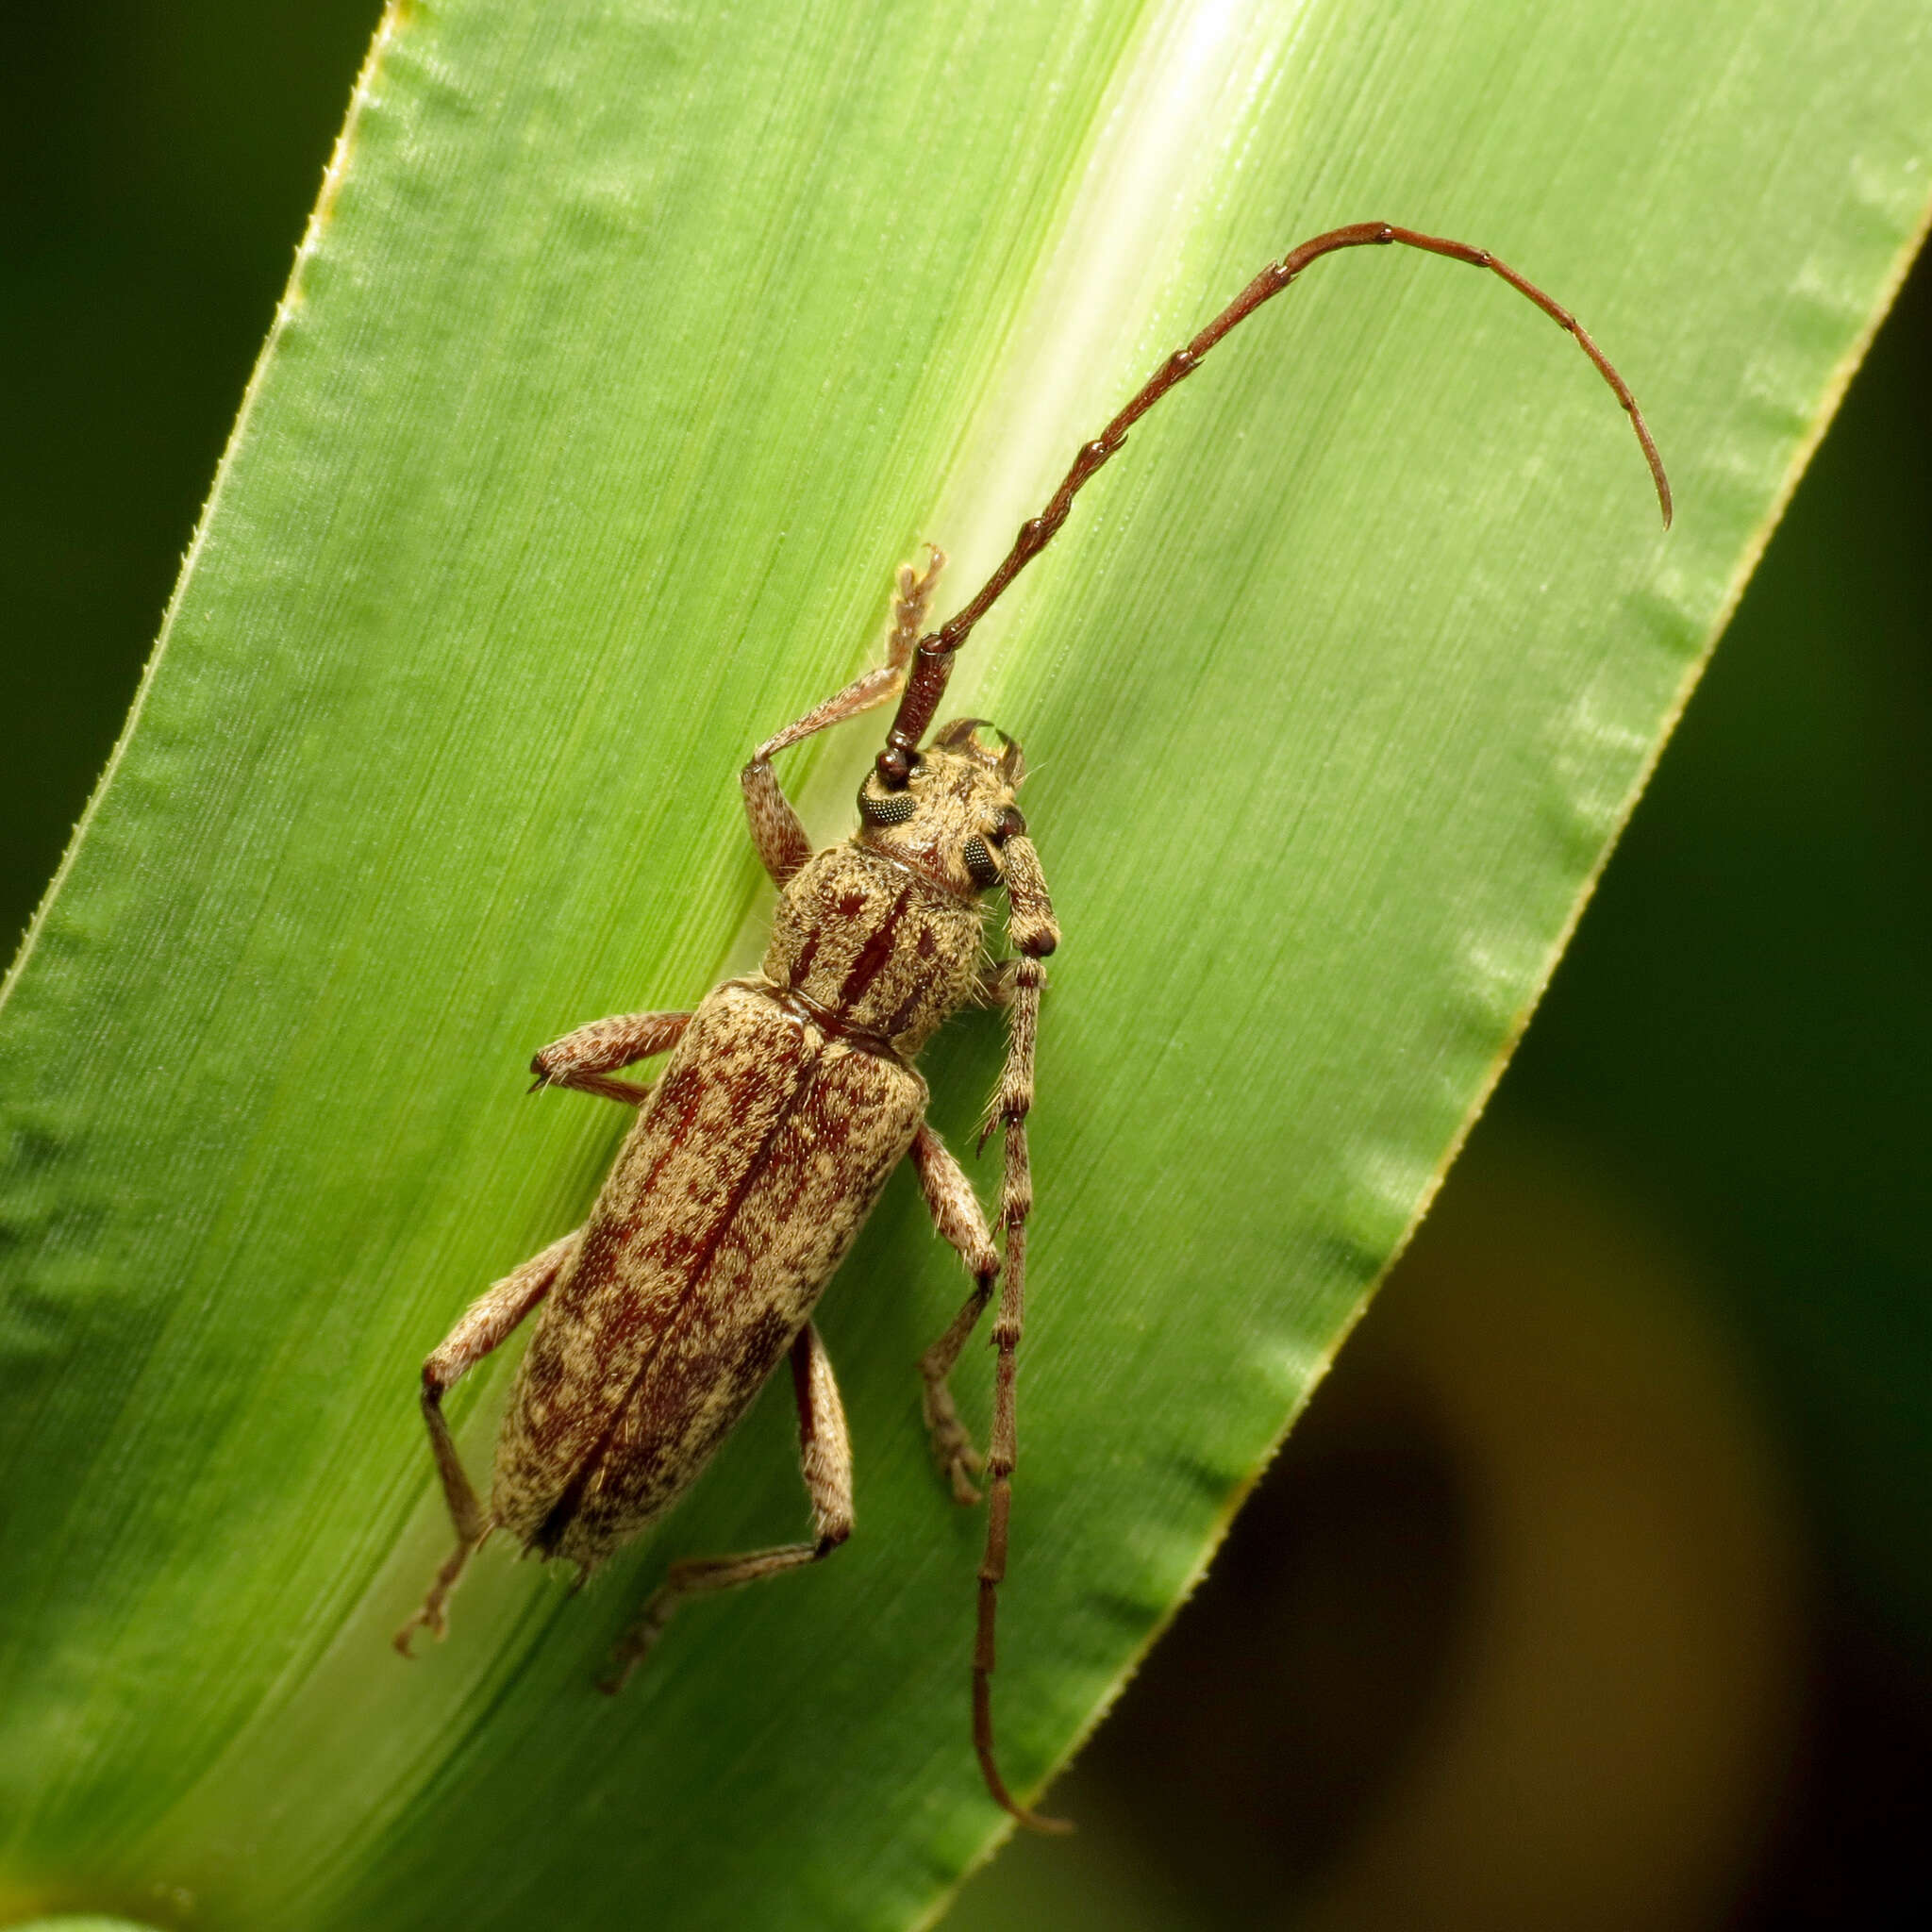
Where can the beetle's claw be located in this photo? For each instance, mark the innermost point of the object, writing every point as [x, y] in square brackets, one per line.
[631, 1653]
[430, 1618]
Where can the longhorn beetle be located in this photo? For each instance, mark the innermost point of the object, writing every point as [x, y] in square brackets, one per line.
[789, 1098]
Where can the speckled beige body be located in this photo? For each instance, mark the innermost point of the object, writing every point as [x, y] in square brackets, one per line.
[747, 1179]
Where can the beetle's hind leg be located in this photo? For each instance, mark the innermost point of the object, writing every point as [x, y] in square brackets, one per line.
[485, 1323]
[825, 1450]
[776, 829]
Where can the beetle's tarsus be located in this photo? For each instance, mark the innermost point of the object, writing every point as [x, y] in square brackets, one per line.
[954, 1454]
[953, 1448]
[435, 1622]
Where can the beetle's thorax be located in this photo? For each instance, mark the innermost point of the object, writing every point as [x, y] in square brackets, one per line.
[883, 936]
[875, 948]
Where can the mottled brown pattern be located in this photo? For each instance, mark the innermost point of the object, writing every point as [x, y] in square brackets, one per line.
[732, 1201]
[897, 964]
[874, 953]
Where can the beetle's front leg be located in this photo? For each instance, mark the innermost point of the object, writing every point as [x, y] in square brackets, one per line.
[825, 1452]
[776, 829]
[583, 1059]
[487, 1321]
[957, 1214]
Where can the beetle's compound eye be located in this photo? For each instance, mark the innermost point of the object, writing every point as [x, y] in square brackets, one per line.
[893, 809]
[979, 865]
[1011, 825]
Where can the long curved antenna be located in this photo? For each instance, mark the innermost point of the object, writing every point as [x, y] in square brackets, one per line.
[933, 662]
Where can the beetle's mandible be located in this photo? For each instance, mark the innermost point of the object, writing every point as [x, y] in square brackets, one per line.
[788, 1100]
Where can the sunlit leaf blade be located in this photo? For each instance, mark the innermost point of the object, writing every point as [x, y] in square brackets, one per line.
[626, 355]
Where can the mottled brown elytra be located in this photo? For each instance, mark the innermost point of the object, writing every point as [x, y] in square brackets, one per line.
[789, 1098]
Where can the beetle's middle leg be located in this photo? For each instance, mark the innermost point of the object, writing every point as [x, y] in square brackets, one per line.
[486, 1323]
[826, 1451]
[585, 1058]
[958, 1215]
[776, 829]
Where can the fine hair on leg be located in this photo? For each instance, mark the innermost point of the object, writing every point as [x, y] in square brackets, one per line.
[586, 1058]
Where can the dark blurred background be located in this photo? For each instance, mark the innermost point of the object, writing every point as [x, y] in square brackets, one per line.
[1595, 1588]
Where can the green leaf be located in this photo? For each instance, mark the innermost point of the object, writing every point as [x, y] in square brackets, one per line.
[627, 353]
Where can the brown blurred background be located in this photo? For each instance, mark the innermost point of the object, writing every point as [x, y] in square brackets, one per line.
[1595, 1590]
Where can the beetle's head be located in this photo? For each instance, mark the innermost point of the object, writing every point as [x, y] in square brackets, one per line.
[955, 820]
